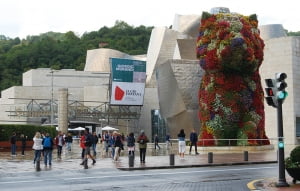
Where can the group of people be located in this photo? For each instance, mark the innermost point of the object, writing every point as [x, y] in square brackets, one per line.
[182, 143]
[13, 142]
[44, 144]
[114, 144]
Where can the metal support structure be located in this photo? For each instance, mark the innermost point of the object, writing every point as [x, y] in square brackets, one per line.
[282, 180]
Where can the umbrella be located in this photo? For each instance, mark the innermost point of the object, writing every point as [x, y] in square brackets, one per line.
[108, 128]
[77, 129]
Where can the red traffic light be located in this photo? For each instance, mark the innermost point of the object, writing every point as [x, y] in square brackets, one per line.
[269, 91]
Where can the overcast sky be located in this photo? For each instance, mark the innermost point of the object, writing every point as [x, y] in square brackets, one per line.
[19, 18]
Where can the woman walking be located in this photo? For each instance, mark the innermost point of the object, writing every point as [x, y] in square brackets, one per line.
[131, 144]
[181, 143]
[37, 146]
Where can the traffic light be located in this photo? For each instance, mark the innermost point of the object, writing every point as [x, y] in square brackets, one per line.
[271, 92]
[281, 85]
[275, 89]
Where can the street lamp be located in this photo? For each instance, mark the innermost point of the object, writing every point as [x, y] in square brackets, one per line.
[51, 104]
[127, 126]
[101, 120]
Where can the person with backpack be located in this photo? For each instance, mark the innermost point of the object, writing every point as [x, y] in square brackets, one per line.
[88, 144]
[48, 147]
[142, 140]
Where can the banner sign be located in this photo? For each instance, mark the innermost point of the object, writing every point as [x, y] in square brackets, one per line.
[128, 81]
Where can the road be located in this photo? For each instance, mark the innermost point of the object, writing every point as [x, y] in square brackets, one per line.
[222, 178]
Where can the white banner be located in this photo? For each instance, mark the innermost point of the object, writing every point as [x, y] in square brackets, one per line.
[124, 93]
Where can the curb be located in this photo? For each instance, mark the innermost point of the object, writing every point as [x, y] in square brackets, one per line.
[192, 166]
[253, 184]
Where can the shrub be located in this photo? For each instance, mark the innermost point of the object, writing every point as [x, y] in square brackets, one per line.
[293, 161]
[28, 130]
[295, 154]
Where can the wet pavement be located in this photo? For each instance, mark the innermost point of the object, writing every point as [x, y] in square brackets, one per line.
[155, 159]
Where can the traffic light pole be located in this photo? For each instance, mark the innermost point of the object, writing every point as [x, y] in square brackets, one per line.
[282, 180]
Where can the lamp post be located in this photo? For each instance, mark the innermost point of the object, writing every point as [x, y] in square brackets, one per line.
[127, 125]
[52, 95]
[101, 121]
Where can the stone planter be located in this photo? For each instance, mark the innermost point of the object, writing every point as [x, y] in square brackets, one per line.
[294, 173]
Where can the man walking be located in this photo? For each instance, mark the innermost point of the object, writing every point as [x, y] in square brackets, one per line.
[48, 147]
[142, 140]
[193, 141]
[156, 140]
[88, 144]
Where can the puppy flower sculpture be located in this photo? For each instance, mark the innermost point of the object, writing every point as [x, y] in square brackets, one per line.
[230, 51]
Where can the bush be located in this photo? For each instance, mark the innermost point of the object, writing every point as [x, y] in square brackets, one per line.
[293, 161]
[295, 154]
[28, 130]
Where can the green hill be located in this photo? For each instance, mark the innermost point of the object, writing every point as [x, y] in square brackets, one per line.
[65, 50]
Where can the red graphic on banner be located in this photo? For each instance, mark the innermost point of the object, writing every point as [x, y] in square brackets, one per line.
[119, 93]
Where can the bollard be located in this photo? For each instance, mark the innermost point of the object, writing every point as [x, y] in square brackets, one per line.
[85, 164]
[131, 160]
[38, 165]
[245, 155]
[210, 157]
[172, 161]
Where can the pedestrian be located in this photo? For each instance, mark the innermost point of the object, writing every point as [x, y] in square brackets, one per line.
[156, 140]
[105, 139]
[82, 144]
[168, 141]
[111, 145]
[100, 137]
[23, 143]
[88, 143]
[69, 141]
[131, 144]
[37, 147]
[94, 143]
[118, 145]
[13, 143]
[59, 141]
[48, 148]
[181, 143]
[193, 141]
[142, 140]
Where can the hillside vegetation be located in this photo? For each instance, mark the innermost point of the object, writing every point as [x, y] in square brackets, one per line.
[65, 50]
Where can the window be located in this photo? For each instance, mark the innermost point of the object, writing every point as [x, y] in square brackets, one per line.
[297, 126]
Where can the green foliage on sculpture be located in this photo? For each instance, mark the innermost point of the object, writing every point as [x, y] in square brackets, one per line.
[230, 51]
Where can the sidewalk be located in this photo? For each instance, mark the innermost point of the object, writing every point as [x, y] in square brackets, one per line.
[155, 159]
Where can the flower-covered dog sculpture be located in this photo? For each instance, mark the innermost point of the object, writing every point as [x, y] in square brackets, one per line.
[230, 51]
